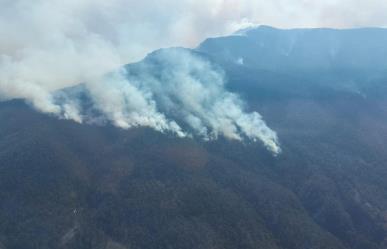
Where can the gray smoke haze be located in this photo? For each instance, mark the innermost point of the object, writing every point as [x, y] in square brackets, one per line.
[176, 91]
[46, 45]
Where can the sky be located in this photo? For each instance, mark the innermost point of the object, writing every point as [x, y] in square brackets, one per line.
[46, 45]
[133, 28]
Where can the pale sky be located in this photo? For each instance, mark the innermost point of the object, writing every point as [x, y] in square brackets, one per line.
[55, 43]
[46, 45]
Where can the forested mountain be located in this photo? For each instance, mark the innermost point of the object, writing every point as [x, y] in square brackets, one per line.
[303, 50]
[70, 185]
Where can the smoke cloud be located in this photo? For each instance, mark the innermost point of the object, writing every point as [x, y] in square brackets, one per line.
[47, 45]
[172, 90]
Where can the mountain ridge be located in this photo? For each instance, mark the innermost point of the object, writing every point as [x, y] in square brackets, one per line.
[67, 185]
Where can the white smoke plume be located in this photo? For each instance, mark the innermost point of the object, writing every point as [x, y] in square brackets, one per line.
[173, 90]
[46, 45]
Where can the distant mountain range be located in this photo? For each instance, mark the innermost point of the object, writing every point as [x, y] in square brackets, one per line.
[70, 186]
[303, 50]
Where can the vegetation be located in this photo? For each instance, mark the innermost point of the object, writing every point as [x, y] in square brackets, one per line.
[67, 185]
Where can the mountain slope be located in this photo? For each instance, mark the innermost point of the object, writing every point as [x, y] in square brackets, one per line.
[71, 186]
[304, 50]
[67, 185]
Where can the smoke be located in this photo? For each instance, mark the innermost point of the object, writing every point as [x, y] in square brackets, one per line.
[172, 90]
[47, 46]
[310, 13]
[128, 105]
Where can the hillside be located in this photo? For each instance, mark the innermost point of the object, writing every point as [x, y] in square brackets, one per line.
[70, 185]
